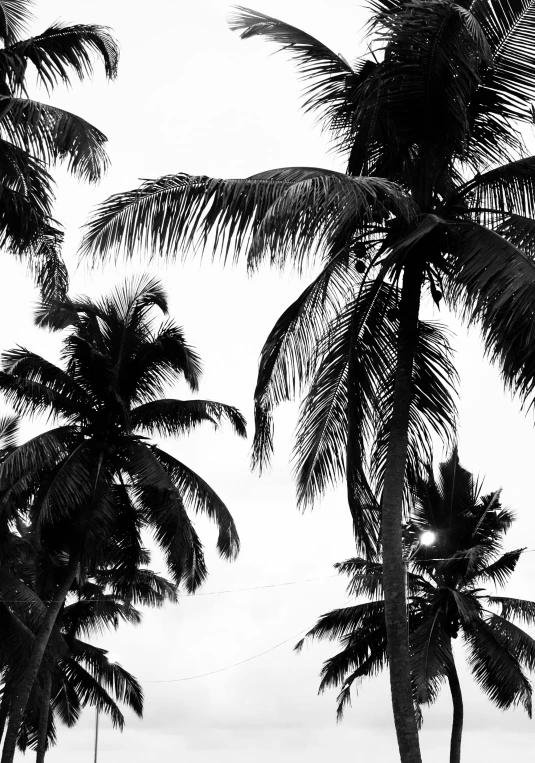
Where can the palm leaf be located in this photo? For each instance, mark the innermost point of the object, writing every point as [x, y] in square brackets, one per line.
[198, 496]
[507, 25]
[431, 657]
[495, 667]
[86, 617]
[160, 499]
[60, 50]
[170, 418]
[14, 19]
[285, 360]
[519, 608]
[328, 76]
[52, 134]
[493, 284]
[433, 402]
[505, 189]
[180, 211]
[50, 271]
[141, 587]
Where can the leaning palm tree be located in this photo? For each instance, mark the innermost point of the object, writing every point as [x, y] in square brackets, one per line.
[446, 584]
[438, 198]
[35, 135]
[96, 480]
[74, 673]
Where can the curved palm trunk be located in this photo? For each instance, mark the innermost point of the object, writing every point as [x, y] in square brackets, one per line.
[458, 715]
[44, 712]
[392, 517]
[21, 692]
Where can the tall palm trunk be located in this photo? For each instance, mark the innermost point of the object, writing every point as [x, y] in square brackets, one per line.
[21, 691]
[392, 517]
[458, 714]
[44, 712]
[4, 710]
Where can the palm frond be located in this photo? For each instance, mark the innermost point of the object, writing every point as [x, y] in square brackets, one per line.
[431, 658]
[199, 497]
[61, 51]
[496, 668]
[178, 212]
[48, 265]
[36, 380]
[161, 501]
[161, 360]
[517, 641]
[493, 286]
[285, 361]
[170, 418]
[497, 572]
[140, 587]
[52, 134]
[87, 617]
[507, 26]
[330, 80]
[519, 608]
[433, 406]
[507, 189]
[520, 231]
[14, 19]
[358, 619]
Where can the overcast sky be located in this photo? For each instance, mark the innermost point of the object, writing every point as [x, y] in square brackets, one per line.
[192, 97]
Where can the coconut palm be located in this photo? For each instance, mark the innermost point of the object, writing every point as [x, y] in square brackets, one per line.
[76, 673]
[96, 480]
[35, 135]
[447, 597]
[437, 199]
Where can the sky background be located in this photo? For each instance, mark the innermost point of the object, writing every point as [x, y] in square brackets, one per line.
[192, 97]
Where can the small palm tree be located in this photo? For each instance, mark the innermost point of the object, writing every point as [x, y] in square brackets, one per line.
[75, 673]
[446, 597]
[95, 481]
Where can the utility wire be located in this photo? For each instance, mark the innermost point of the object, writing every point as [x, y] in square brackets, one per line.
[209, 593]
[228, 667]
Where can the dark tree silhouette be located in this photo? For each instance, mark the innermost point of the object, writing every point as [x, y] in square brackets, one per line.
[446, 584]
[34, 136]
[96, 480]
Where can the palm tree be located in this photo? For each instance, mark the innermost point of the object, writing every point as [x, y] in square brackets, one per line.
[447, 596]
[34, 135]
[437, 198]
[95, 480]
[76, 673]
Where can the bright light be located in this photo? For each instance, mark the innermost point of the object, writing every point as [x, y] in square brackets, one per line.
[427, 538]
[111, 657]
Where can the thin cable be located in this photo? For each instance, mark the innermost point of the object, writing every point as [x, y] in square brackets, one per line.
[211, 593]
[468, 556]
[228, 667]
[258, 587]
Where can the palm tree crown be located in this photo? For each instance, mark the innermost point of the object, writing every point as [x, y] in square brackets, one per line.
[97, 469]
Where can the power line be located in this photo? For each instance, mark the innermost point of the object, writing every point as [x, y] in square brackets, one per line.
[228, 667]
[206, 593]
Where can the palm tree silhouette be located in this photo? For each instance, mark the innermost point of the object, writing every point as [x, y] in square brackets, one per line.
[35, 135]
[446, 597]
[95, 481]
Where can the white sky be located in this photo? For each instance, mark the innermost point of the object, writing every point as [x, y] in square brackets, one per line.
[191, 96]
